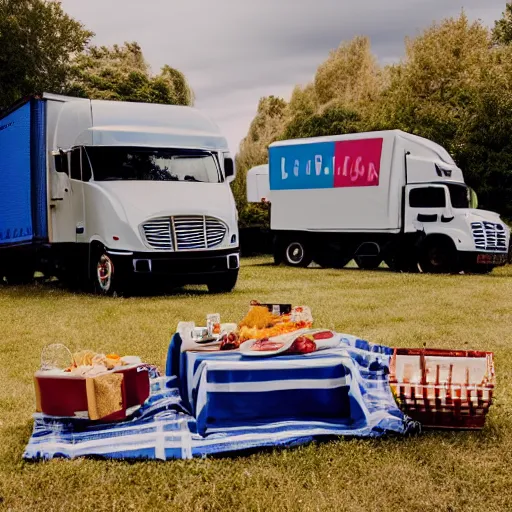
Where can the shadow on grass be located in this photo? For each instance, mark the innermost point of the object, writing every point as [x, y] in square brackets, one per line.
[42, 288]
[386, 270]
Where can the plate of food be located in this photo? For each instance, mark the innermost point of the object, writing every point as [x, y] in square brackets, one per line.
[300, 342]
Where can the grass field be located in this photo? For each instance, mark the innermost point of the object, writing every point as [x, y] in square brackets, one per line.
[437, 471]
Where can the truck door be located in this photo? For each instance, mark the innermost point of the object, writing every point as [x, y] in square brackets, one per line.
[61, 201]
[78, 157]
[426, 206]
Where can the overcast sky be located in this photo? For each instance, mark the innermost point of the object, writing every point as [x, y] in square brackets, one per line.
[235, 51]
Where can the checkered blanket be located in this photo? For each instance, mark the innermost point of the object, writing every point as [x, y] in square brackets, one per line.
[224, 402]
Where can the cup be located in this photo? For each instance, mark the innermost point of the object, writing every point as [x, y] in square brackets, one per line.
[185, 329]
[213, 323]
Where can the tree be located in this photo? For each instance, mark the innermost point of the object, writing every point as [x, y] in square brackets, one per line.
[483, 148]
[350, 76]
[333, 120]
[266, 127]
[454, 88]
[37, 42]
[429, 91]
[502, 33]
[343, 92]
[122, 73]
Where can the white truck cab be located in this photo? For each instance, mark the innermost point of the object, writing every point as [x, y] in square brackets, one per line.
[134, 192]
[378, 196]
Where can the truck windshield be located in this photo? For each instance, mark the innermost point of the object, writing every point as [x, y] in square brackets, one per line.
[460, 195]
[143, 164]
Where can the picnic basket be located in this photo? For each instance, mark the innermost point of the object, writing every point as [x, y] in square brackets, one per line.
[440, 388]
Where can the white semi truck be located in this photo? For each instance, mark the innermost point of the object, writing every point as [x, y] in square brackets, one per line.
[377, 196]
[114, 192]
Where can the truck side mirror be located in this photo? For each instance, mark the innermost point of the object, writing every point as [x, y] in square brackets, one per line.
[229, 167]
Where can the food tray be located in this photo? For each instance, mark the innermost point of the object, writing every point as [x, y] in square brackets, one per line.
[441, 388]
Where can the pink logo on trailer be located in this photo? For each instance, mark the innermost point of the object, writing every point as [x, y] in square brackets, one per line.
[357, 163]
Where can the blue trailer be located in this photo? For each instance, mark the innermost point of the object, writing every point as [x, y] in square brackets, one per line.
[23, 188]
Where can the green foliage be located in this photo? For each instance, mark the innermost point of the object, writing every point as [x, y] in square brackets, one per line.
[42, 49]
[37, 41]
[254, 214]
[502, 33]
[121, 73]
[332, 121]
[454, 88]
[265, 128]
[350, 75]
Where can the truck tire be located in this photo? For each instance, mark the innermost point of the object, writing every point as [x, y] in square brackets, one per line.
[103, 274]
[368, 262]
[403, 259]
[332, 255]
[223, 283]
[400, 265]
[296, 253]
[331, 261]
[438, 256]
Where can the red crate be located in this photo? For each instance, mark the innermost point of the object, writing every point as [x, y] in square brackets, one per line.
[440, 388]
[70, 395]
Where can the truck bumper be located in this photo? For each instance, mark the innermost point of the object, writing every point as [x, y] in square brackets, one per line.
[189, 268]
[485, 258]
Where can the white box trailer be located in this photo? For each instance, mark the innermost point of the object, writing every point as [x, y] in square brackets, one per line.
[116, 192]
[258, 188]
[377, 196]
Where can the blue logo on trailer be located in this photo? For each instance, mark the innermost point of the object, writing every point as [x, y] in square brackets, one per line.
[303, 166]
[15, 186]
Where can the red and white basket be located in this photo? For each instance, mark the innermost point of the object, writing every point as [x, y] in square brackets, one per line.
[443, 388]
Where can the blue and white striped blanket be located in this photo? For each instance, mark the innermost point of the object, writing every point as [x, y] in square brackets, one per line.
[222, 402]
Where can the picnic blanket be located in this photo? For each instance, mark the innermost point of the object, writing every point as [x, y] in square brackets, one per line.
[222, 402]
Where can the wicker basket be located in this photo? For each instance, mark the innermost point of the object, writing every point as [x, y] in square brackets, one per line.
[443, 388]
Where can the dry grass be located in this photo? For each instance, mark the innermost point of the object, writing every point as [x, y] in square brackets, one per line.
[434, 472]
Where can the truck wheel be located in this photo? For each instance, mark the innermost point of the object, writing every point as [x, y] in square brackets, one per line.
[405, 261]
[331, 260]
[438, 257]
[223, 283]
[368, 262]
[332, 255]
[103, 274]
[297, 254]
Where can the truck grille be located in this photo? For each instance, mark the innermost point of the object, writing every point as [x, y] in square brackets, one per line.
[489, 236]
[184, 233]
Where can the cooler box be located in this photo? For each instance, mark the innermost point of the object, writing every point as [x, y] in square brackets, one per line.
[111, 396]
